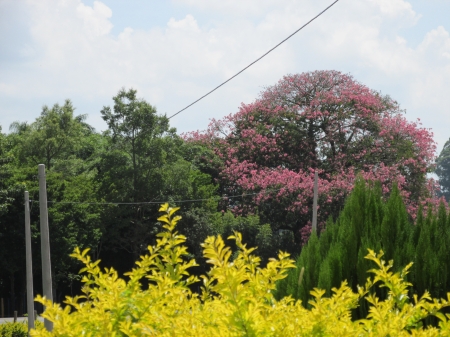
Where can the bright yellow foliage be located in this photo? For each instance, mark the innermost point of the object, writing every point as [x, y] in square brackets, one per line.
[236, 298]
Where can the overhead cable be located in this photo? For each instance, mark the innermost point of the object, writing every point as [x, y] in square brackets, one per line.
[161, 201]
[210, 92]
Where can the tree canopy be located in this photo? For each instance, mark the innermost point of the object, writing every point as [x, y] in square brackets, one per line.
[324, 121]
[252, 171]
[56, 133]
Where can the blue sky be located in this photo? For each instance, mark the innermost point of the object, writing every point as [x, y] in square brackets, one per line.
[173, 52]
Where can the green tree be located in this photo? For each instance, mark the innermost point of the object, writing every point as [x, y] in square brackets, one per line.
[145, 161]
[4, 174]
[61, 141]
[338, 253]
[431, 264]
[56, 133]
[443, 170]
[11, 235]
[138, 133]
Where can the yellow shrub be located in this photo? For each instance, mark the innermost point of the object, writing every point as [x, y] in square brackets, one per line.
[236, 298]
[16, 329]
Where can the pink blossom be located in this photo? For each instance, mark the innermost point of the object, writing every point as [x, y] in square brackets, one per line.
[325, 121]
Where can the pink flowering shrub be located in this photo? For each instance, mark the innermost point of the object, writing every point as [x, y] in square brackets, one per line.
[325, 121]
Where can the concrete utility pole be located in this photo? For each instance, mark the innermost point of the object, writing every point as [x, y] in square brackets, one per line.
[314, 219]
[30, 302]
[45, 241]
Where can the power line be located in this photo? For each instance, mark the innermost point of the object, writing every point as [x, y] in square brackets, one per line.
[210, 92]
[161, 201]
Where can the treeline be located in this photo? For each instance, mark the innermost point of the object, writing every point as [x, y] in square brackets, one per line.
[369, 222]
[139, 158]
[252, 171]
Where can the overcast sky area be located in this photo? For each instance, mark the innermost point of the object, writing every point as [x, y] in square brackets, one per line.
[173, 52]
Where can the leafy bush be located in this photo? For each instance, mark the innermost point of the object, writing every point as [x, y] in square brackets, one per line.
[13, 329]
[18, 329]
[236, 298]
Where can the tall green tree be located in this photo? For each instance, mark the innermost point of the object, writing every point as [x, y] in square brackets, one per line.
[144, 161]
[138, 133]
[61, 141]
[443, 170]
[11, 235]
[55, 134]
[338, 253]
[431, 269]
[4, 174]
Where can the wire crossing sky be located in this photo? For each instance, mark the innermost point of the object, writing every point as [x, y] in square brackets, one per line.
[279, 44]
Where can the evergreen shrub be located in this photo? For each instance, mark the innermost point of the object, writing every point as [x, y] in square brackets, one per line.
[367, 221]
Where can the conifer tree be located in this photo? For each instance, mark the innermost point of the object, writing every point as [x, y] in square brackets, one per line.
[310, 261]
[432, 266]
[443, 170]
[369, 222]
[338, 254]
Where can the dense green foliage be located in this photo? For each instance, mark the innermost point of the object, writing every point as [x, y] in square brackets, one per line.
[104, 189]
[443, 170]
[138, 159]
[367, 221]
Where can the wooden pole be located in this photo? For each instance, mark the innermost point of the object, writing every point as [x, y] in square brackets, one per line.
[29, 266]
[314, 219]
[45, 241]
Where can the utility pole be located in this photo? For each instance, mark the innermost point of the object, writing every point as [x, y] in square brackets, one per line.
[29, 266]
[45, 241]
[314, 219]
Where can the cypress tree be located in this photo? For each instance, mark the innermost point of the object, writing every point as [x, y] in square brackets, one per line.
[330, 274]
[415, 233]
[413, 245]
[374, 213]
[396, 230]
[424, 255]
[368, 222]
[350, 229]
[338, 255]
[441, 250]
[310, 261]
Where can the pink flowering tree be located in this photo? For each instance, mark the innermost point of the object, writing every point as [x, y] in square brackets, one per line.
[325, 121]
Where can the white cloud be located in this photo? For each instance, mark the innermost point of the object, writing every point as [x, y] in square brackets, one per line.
[95, 19]
[7, 89]
[75, 54]
[396, 8]
[430, 90]
[187, 24]
[232, 7]
[437, 45]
